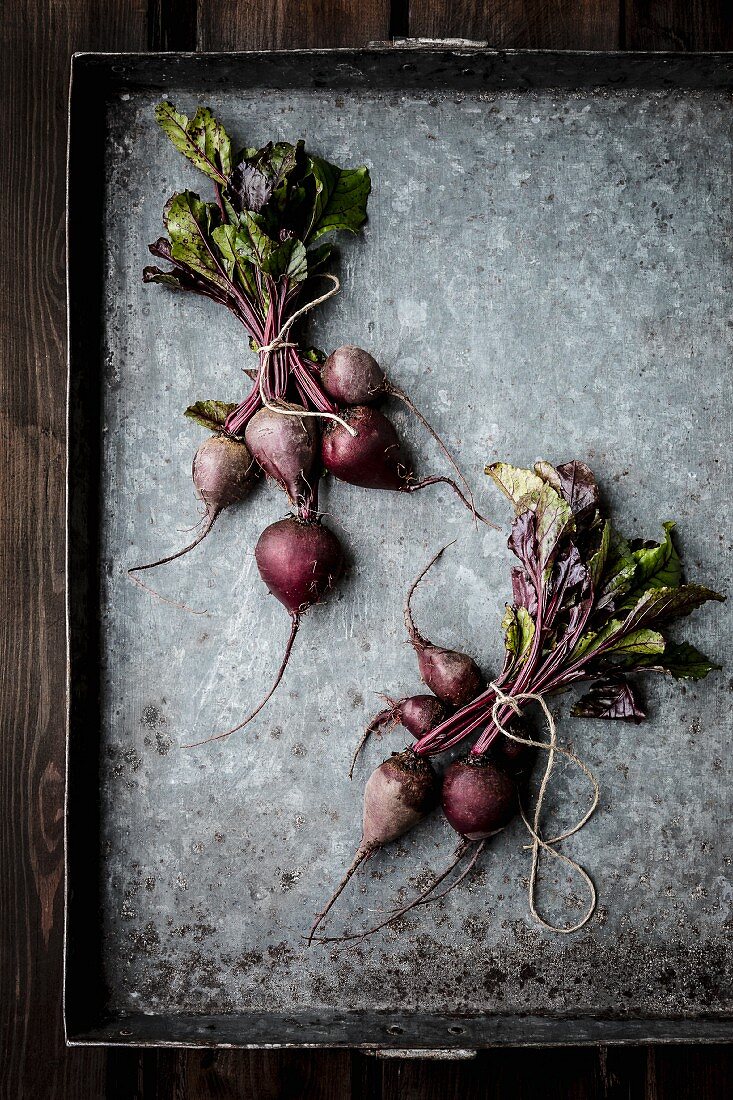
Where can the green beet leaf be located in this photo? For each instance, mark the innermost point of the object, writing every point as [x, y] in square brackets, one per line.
[662, 605]
[658, 565]
[518, 626]
[289, 260]
[202, 139]
[683, 661]
[212, 414]
[341, 196]
[190, 223]
[234, 249]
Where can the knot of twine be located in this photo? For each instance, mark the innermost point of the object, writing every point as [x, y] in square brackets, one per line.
[281, 341]
[540, 843]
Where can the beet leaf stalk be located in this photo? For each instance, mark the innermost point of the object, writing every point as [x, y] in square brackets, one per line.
[253, 250]
[588, 606]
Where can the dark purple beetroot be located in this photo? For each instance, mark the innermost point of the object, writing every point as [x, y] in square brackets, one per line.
[351, 376]
[223, 473]
[419, 714]
[287, 448]
[398, 795]
[479, 798]
[372, 458]
[451, 675]
[422, 713]
[299, 562]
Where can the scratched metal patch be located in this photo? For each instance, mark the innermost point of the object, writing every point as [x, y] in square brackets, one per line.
[548, 274]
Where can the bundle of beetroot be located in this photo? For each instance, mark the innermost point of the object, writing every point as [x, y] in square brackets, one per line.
[253, 249]
[587, 606]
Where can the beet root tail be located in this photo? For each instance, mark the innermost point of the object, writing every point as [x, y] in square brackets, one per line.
[412, 631]
[361, 856]
[295, 623]
[394, 391]
[439, 479]
[376, 723]
[427, 894]
[206, 525]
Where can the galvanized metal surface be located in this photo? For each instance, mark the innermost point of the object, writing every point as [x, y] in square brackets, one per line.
[548, 274]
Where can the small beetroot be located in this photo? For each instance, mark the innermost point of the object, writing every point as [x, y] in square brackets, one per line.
[419, 714]
[223, 473]
[451, 675]
[364, 449]
[300, 561]
[287, 448]
[479, 798]
[397, 796]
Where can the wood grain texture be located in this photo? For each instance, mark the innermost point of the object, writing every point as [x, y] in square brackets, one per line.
[685, 25]
[38, 37]
[521, 24]
[234, 25]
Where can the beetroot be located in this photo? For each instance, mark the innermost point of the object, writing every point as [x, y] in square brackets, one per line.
[287, 448]
[223, 473]
[511, 756]
[300, 561]
[419, 715]
[479, 798]
[351, 376]
[451, 675]
[398, 795]
[370, 455]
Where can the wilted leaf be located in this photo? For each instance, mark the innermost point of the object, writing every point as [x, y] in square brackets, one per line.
[212, 414]
[522, 487]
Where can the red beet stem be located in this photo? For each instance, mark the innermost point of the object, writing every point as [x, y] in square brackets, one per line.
[295, 623]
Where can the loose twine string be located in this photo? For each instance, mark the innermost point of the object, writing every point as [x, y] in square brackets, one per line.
[540, 843]
[281, 341]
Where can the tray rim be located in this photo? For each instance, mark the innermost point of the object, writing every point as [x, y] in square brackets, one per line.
[486, 1030]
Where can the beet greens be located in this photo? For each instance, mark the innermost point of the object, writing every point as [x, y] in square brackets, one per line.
[588, 606]
[256, 248]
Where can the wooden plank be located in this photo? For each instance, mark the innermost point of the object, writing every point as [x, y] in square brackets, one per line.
[38, 38]
[286, 24]
[678, 25]
[530, 24]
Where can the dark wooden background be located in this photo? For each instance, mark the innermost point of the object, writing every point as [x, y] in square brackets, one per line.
[38, 37]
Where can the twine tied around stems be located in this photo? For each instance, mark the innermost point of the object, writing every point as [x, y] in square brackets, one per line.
[281, 341]
[540, 843]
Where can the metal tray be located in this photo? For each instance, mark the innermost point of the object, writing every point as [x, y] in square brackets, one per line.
[547, 269]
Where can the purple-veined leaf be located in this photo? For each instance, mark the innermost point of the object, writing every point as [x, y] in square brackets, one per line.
[610, 698]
